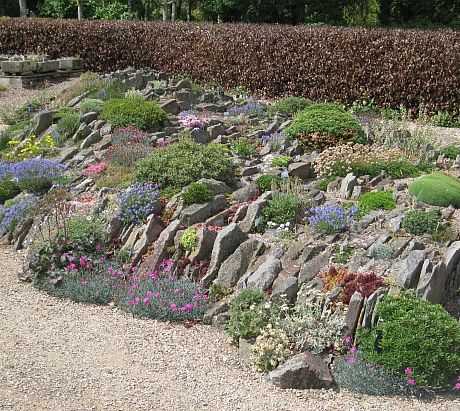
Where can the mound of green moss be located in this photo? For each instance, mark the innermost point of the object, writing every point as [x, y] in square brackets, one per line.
[437, 189]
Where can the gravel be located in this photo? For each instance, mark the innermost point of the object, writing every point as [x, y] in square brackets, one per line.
[57, 355]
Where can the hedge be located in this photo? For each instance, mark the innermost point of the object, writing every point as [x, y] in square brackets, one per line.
[409, 67]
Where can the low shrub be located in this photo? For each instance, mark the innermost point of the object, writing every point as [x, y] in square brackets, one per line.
[265, 182]
[376, 200]
[162, 296]
[365, 283]
[270, 349]
[342, 254]
[249, 314]
[123, 112]
[452, 151]
[89, 105]
[357, 375]
[115, 177]
[281, 161]
[417, 334]
[382, 252]
[138, 202]
[323, 125]
[196, 193]
[128, 135]
[83, 280]
[67, 124]
[189, 239]
[313, 326]
[243, 147]
[8, 189]
[289, 105]
[128, 154]
[180, 164]
[281, 209]
[330, 219]
[437, 189]
[419, 222]
[86, 233]
[29, 147]
[362, 160]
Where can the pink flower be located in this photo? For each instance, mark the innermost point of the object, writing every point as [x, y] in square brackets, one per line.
[153, 275]
[71, 267]
[95, 169]
[409, 372]
[411, 381]
[173, 307]
[457, 386]
[84, 262]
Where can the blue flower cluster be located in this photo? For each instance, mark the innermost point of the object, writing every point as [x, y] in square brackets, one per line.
[250, 108]
[138, 202]
[331, 218]
[10, 216]
[35, 174]
[275, 139]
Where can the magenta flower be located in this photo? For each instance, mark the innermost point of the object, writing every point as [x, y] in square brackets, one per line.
[71, 266]
[84, 262]
[409, 372]
[411, 381]
[173, 307]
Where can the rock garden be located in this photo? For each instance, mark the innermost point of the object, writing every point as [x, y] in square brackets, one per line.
[323, 241]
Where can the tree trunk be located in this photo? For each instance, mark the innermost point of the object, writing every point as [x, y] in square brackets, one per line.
[173, 10]
[23, 8]
[80, 9]
[165, 10]
[189, 10]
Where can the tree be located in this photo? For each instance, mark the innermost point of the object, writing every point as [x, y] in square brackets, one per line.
[23, 8]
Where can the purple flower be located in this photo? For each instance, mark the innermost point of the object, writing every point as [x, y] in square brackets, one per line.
[138, 202]
[411, 381]
[191, 120]
[331, 218]
[250, 108]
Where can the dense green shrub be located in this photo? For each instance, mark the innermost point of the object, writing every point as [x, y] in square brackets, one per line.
[281, 161]
[296, 66]
[133, 111]
[87, 233]
[289, 105]
[414, 333]
[264, 183]
[8, 189]
[196, 193]
[248, 316]
[281, 209]
[91, 105]
[394, 169]
[180, 164]
[419, 222]
[243, 147]
[437, 189]
[322, 125]
[451, 151]
[376, 200]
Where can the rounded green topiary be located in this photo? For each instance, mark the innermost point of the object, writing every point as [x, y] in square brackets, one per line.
[437, 189]
[180, 164]
[133, 111]
[323, 125]
[413, 333]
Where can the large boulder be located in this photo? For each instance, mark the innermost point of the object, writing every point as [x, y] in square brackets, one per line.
[432, 283]
[265, 274]
[303, 371]
[411, 267]
[226, 243]
[253, 213]
[197, 213]
[236, 265]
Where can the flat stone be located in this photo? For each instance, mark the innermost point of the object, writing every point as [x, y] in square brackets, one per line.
[353, 313]
[285, 285]
[197, 213]
[302, 170]
[93, 138]
[411, 267]
[432, 283]
[151, 231]
[313, 267]
[265, 274]
[253, 212]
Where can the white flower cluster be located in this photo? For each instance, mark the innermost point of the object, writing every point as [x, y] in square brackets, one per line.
[271, 349]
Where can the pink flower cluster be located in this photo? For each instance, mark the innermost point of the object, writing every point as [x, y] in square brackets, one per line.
[410, 376]
[75, 264]
[457, 384]
[95, 169]
[191, 120]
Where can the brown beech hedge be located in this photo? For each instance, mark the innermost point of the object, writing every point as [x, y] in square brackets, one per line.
[409, 67]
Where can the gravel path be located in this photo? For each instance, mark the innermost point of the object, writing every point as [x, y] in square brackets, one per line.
[57, 355]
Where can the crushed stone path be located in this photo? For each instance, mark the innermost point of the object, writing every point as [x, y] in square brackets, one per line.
[61, 356]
